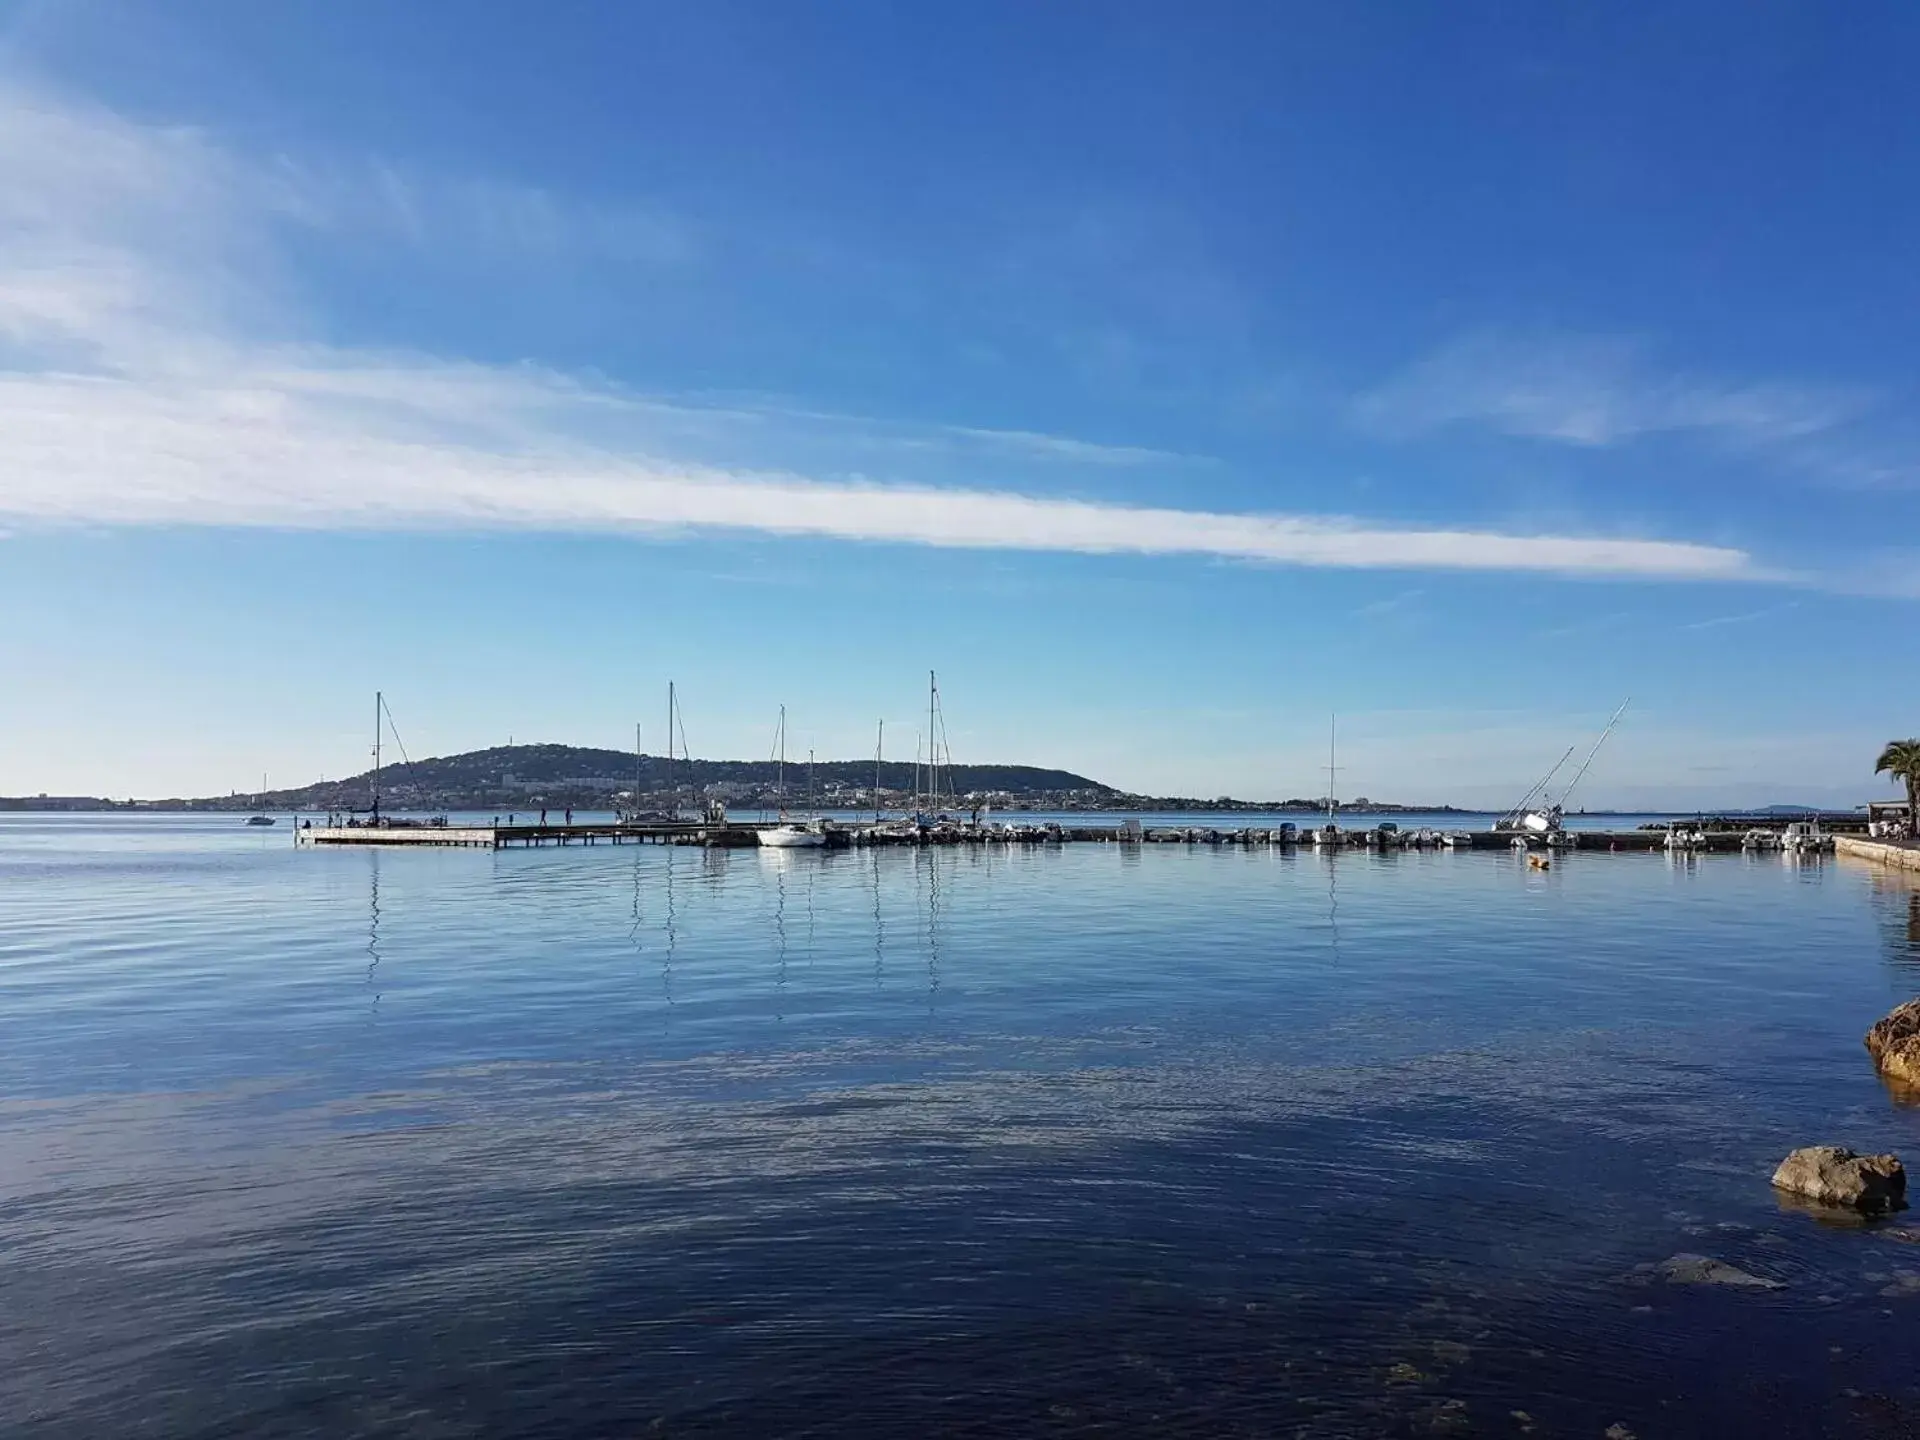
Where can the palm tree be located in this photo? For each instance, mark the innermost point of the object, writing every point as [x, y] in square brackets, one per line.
[1901, 761]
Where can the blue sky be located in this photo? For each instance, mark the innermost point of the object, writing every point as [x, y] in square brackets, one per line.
[1167, 377]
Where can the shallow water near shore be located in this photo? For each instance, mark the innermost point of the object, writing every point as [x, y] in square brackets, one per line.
[1062, 1140]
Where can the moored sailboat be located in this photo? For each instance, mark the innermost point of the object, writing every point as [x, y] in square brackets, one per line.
[1539, 814]
[789, 834]
[260, 816]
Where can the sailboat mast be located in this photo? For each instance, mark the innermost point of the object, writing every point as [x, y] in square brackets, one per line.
[879, 745]
[1581, 774]
[673, 787]
[809, 782]
[780, 780]
[379, 704]
[1333, 770]
[933, 747]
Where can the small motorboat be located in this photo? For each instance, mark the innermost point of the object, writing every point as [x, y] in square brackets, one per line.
[1804, 837]
[262, 819]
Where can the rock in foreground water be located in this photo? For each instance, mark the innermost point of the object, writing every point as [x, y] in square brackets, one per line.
[1830, 1175]
[1698, 1270]
[1894, 1043]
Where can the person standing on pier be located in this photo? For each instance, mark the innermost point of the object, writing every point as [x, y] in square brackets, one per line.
[543, 815]
[569, 814]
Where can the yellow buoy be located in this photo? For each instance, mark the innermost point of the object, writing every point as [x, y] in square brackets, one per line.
[1538, 862]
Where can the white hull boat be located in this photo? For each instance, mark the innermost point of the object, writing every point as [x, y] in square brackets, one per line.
[792, 837]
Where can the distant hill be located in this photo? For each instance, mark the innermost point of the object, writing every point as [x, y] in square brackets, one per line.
[584, 776]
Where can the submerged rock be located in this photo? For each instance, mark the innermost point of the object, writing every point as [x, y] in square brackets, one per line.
[1700, 1270]
[1894, 1043]
[1830, 1175]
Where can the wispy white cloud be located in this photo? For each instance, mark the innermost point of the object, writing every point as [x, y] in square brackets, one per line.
[1715, 622]
[141, 385]
[1592, 391]
[1067, 448]
[867, 432]
[272, 443]
[1589, 625]
[382, 200]
[1391, 603]
[1887, 572]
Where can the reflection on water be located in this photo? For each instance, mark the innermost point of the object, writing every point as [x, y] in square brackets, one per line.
[1132, 1158]
[1896, 900]
[879, 930]
[672, 926]
[777, 861]
[932, 912]
[373, 920]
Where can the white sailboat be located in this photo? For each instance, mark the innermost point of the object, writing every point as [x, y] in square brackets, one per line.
[260, 817]
[1329, 834]
[627, 809]
[790, 835]
[1537, 813]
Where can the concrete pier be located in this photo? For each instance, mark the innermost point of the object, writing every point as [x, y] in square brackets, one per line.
[844, 834]
[1880, 852]
[497, 837]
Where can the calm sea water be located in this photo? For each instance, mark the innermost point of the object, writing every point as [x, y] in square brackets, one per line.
[1061, 1141]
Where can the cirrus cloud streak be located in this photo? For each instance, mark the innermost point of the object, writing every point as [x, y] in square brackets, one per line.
[142, 269]
[285, 444]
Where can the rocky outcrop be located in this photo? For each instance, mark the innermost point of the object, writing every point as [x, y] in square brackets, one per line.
[1829, 1175]
[1894, 1044]
[1698, 1270]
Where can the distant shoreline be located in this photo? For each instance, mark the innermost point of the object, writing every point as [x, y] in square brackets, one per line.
[556, 777]
[1119, 804]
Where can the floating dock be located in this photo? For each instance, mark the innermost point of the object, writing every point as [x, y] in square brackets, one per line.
[498, 837]
[741, 835]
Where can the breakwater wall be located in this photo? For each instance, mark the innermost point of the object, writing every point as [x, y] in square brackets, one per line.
[1880, 852]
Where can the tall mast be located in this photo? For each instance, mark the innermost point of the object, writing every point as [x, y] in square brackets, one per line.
[933, 747]
[809, 782]
[1581, 774]
[879, 745]
[636, 764]
[673, 787]
[379, 704]
[1332, 770]
[780, 781]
